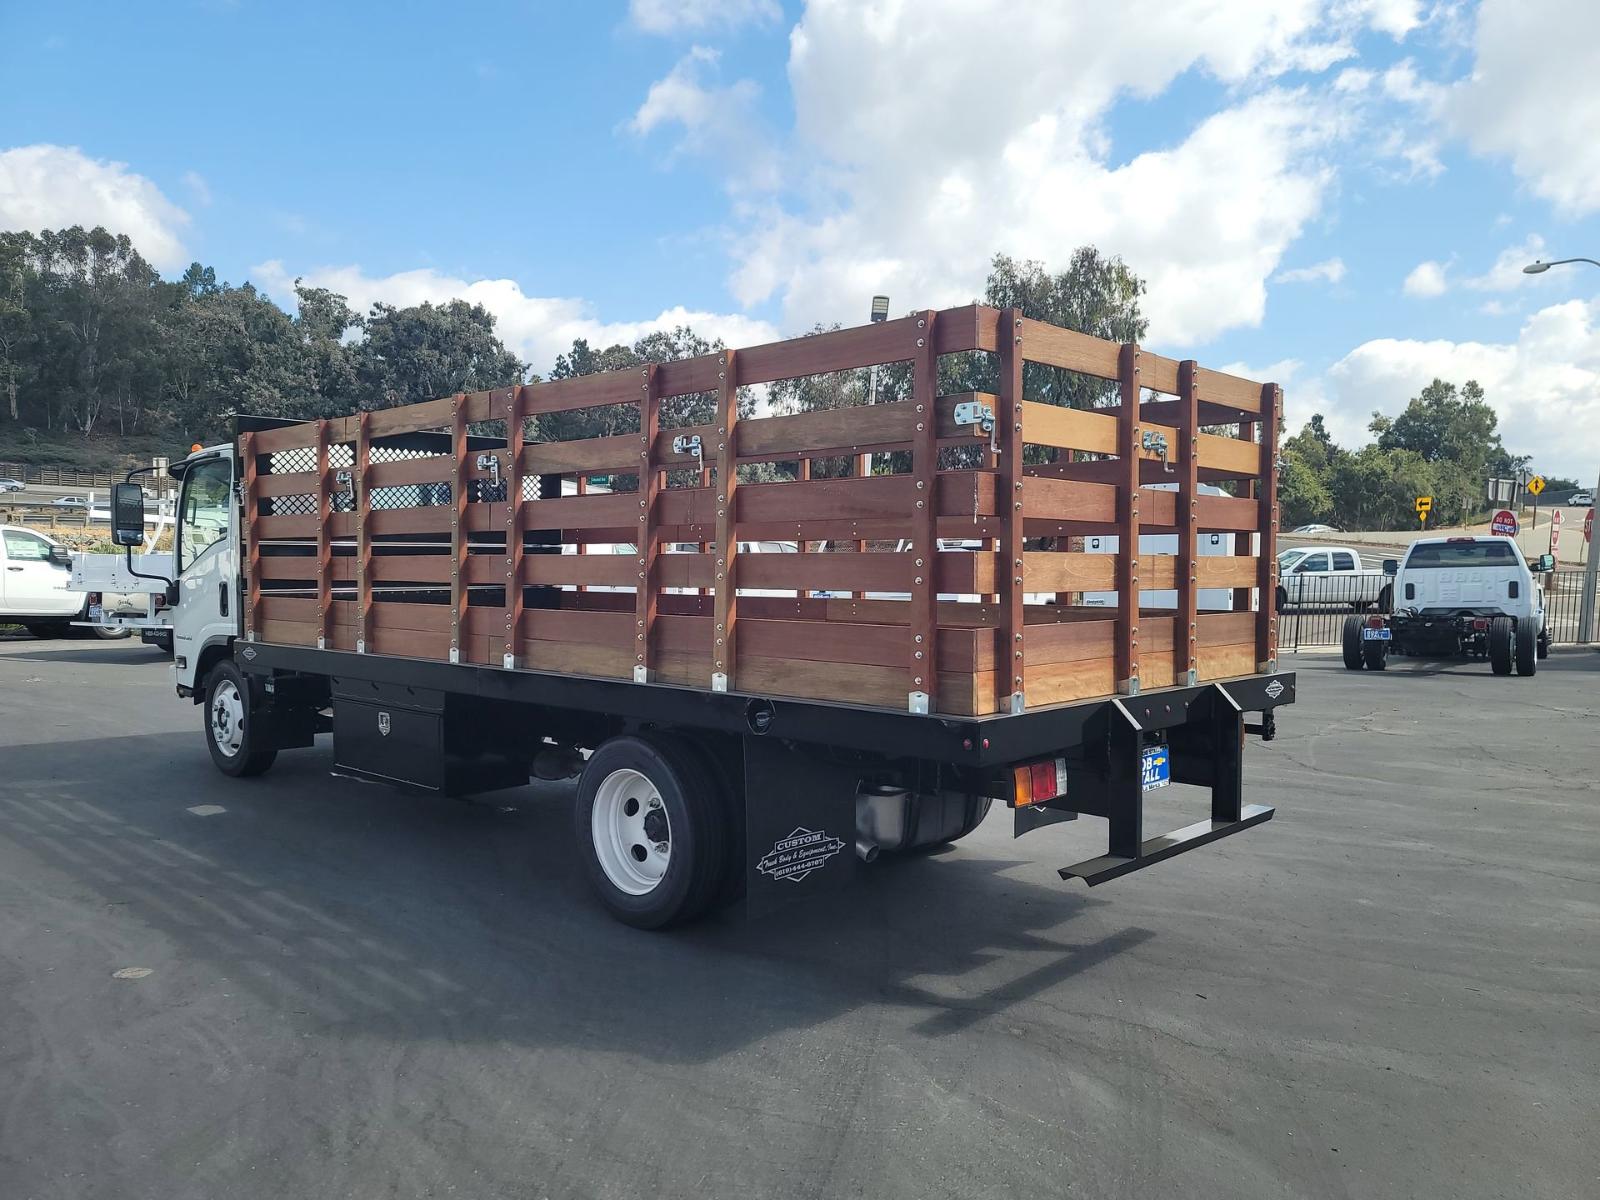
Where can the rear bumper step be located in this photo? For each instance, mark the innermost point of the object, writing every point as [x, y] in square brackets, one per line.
[1110, 866]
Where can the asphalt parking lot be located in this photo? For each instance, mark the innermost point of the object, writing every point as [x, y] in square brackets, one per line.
[1392, 990]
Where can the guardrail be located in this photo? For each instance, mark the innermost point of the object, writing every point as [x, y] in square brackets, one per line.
[66, 477]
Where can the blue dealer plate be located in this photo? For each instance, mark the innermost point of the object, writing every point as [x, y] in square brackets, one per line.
[1376, 635]
[1156, 767]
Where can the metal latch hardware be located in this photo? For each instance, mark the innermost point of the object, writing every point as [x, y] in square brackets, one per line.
[1156, 443]
[491, 464]
[974, 412]
[688, 444]
[345, 483]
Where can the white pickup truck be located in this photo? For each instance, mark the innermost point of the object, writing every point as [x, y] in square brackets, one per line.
[1475, 597]
[36, 583]
[1327, 576]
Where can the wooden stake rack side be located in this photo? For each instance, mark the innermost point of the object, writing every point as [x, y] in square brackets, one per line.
[1059, 555]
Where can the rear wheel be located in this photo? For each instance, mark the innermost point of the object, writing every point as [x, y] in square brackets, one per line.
[1501, 632]
[1386, 599]
[112, 633]
[1544, 643]
[1351, 643]
[1527, 646]
[1375, 654]
[652, 829]
[229, 714]
[1282, 599]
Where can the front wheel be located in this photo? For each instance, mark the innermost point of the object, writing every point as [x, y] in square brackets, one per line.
[229, 723]
[652, 830]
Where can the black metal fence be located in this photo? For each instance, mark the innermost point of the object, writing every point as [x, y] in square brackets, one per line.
[1563, 606]
[1311, 610]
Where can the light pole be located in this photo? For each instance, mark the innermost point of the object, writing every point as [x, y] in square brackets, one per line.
[1591, 576]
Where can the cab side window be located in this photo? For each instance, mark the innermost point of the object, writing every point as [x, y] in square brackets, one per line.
[1343, 561]
[1313, 562]
[22, 546]
[207, 498]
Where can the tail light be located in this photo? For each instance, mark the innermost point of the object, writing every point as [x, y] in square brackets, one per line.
[1480, 623]
[161, 600]
[94, 597]
[1375, 622]
[1037, 782]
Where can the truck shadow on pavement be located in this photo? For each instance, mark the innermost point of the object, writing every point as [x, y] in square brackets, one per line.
[1575, 659]
[340, 904]
[89, 654]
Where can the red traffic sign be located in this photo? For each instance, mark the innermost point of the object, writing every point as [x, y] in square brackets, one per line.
[1588, 524]
[1504, 523]
[1555, 532]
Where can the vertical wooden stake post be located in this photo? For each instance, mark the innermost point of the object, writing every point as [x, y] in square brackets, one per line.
[647, 543]
[725, 609]
[459, 540]
[252, 543]
[1009, 654]
[363, 501]
[923, 696]
[1185, 630]
[1267, 559]
[516, 522]
[1128, 446]
[324, 538]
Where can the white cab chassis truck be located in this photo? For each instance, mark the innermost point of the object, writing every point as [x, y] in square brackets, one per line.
[1469, 597]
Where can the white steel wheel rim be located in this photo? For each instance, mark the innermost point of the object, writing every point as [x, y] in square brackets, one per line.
[631, 833]
[227, 718]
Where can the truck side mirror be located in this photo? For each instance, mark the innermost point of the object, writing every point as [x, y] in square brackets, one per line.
[1547, 563]
[61, 556]
[1391, 566]
[127, 514]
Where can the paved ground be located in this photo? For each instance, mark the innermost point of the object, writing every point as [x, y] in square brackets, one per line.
[1393, 990]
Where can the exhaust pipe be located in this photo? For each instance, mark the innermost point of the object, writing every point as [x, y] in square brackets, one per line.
[866, 851]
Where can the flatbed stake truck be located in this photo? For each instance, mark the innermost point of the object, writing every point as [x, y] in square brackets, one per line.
[423, 582]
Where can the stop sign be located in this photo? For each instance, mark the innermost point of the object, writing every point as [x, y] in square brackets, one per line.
[1505, 522]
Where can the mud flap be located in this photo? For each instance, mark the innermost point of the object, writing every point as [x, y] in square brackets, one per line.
[800, 825]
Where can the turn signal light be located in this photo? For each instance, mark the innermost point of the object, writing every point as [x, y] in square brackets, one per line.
[1037, 782]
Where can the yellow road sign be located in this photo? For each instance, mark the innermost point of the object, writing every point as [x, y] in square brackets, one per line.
[1536, 484]
[1424, 505]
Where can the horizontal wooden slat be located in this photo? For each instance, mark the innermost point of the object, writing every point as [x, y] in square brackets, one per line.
[1239, 458]
[840, 430]
[688, 376]
[619, 509]
[1068, 500]
[434, 468]
[585, 391]
[286, 608]
[1226, 512]
[1047, 571]
[296, 483]
[1158, 373]
[1215, 387]
[267, 528]
[825, 641]
[1225, 570]
[1068, 428]
[289, 437]
[840, 350]
[968, 327]
[1042, 343]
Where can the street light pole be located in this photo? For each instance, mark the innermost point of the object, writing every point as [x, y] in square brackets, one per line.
[1591, 570]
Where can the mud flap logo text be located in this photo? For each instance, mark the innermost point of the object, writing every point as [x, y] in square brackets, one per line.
[799, 854]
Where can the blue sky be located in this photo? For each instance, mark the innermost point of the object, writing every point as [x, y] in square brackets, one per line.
[1338, 193]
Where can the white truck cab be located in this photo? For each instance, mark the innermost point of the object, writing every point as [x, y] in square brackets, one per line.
[36, 582]
[205, 553]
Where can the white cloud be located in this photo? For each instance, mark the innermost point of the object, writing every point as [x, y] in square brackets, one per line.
[913, 188]
[1330, 270]
[1544, 386]
[696, 16]
[536, 328]
[1394, 17]
[51, 187]
[1506, 274]
[717, 121]
[1427, 279]
[1531, 97]
[198, 187]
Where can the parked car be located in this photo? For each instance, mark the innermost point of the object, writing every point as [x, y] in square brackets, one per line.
[1582, 500]
[1327, 575]
[10, 485]
[1314, 529]
[71, 502]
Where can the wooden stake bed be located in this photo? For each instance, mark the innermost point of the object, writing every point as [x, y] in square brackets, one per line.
[455, 530]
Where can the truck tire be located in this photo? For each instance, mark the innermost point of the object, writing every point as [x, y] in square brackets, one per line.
[112, 633]
[1386, 599]
[1351, 643]
[47, 630]
[1282, 598]
[228, 721]
[1501, 633]
[1375, 655]
[1544, 643]
[652, 830]
[1527, 646]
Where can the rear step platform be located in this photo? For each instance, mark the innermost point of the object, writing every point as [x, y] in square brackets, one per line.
[1157, 849]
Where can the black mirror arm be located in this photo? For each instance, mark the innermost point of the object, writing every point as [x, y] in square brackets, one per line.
[128, 550]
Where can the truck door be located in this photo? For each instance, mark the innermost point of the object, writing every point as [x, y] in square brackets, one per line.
[31, 585]
[205, 554]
